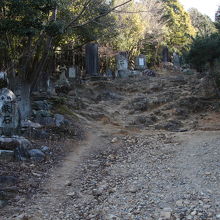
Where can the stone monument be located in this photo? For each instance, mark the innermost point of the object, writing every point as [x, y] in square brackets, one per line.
[9, 111]
[92, 59]
[72, 72]
[63, 84]
[22, 92]
[62, 77]
[176, 60]
[122, 65]
[51, 86]
[165, 55]
[140, 62]
[122, 61]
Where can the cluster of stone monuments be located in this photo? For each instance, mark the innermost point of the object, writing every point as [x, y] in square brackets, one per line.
[69, 74]
[122, 63]
[123, 71]
[9, 110]
[92, 68]
[12, 108]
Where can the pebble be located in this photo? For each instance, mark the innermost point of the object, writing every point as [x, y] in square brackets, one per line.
[45, 149]
[97, 192]
[22, 216]
[166, 214]
[68, 183]
[71, 194]
[179, 203]
[132, 189]
[193, 213]
[111, 217]
[114, 140]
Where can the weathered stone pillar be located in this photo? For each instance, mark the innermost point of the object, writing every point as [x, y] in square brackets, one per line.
[23, 92]
[165, 55]
[176, 60]
[92, 59]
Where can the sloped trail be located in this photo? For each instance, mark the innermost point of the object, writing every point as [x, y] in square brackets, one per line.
[119, 172]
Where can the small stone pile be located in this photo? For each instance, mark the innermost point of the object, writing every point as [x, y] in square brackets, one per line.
[149, 72]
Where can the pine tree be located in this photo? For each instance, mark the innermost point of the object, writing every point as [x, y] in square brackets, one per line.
[179, 28]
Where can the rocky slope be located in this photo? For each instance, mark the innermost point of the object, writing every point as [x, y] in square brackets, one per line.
[151, 152]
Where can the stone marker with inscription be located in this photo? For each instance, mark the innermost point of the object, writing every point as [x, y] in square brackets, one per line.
[140, 62]
[72, 72]
[9, 111]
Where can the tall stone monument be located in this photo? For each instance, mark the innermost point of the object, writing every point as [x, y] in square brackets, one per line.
[9, 111]
[165, 55]
[176, 60]
[92, 59]
[22, 91]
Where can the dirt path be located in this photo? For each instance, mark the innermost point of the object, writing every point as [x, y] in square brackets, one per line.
[153, 175]
[55, 191]
[128, 169]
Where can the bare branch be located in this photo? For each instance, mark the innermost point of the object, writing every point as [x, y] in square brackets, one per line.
[99, 16]
[79, 15]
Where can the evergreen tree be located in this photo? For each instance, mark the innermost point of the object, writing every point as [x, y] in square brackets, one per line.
[179, 31]
[204, 51]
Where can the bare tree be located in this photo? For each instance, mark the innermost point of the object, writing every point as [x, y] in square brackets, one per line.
[202, 23]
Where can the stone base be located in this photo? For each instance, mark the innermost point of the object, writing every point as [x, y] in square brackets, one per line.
[6, 155]
[123, 73]
[14, 147]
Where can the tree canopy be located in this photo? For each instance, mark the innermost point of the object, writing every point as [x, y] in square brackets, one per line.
[31, 30]
[202, 23]
[179, 31]
[204, 50]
